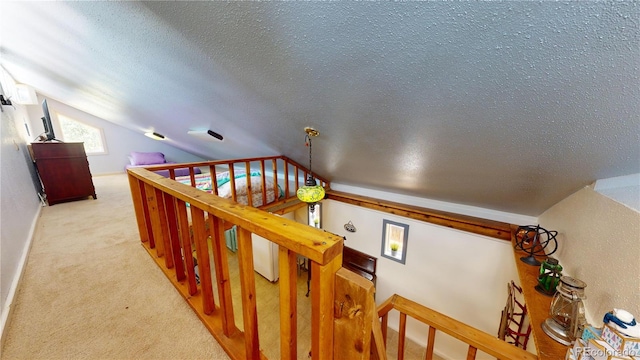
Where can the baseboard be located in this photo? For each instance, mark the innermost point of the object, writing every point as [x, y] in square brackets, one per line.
[7, 307]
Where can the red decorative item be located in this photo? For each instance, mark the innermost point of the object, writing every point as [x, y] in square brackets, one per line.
[514, 324]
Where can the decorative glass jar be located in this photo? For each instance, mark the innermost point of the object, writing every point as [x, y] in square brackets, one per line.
[549, 276]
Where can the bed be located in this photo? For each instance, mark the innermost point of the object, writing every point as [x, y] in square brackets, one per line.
[223, 180]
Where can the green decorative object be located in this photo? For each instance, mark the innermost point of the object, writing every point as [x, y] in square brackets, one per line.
[549, 276]
[310, 194]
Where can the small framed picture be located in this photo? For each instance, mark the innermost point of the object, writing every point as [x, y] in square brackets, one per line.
[394, 240]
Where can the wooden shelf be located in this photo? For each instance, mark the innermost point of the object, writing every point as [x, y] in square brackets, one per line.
[537, 306]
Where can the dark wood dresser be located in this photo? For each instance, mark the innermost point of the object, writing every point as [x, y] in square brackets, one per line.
[64, 171]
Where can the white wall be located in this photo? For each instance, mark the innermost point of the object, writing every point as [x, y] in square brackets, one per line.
[120, 141]
[19, 204]
[460, 274]
[623, 189]
[599, 243]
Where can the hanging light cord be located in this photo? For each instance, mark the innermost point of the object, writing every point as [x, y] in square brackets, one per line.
[307, 141]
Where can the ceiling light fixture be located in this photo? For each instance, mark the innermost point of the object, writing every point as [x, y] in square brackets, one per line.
[311, 192]
[205, 134]
[154, 135]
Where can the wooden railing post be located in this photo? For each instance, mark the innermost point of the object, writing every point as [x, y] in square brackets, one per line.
[164, 229]
[402, 333]
[471, 354]
[221, 264]
[354, 312]
[288, 304]
[154, 219]
[248, 290]
[322, 297]
[430, 342]
[185, 240]
[137, 197]
[174, 238]
[200, 236]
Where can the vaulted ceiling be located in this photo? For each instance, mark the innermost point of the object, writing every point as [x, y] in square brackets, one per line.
[508, 105]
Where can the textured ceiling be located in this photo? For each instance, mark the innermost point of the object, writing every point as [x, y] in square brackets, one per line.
[510, 106]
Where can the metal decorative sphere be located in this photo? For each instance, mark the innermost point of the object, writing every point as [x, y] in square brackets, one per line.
[535, 241]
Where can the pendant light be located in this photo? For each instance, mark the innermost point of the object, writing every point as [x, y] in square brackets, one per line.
[311, 192]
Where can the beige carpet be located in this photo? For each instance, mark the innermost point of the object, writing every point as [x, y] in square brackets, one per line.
[91, 291]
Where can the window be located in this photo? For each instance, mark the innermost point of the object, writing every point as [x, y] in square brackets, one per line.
[315, 216]
[76, 131]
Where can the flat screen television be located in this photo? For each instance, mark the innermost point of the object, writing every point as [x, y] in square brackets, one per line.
[46, 121]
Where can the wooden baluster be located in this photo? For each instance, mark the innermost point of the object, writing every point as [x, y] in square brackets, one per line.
[471, 354]
[172, 174]
[385, 326]
[286, 179]
[164, 229]
[137, 196]
[276, 188]
[247, 169]
[430, 343]
[322, 296]
[378, 351]
[202, 254]
[185, 236]
[192, 177]
[248, 287]
[147, 215]
[174, 239]
[221, 265]
[232, 182]
[297, 183]
[154, 217]
[264, 183]
[288, 303]
[214, 179]
[402, 333]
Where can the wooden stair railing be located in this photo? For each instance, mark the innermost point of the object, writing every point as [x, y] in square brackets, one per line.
[168, 213]
[284, 172]
[476, 339]
[175, 219]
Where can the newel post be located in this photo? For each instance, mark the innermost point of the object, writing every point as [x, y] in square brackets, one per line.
[322, 298]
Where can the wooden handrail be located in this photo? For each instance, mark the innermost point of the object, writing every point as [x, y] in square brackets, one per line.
[476, 339]
[174, 218]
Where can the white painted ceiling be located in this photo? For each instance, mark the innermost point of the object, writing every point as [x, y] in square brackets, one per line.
[505, 105]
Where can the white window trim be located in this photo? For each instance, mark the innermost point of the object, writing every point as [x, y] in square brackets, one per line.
[58, 127]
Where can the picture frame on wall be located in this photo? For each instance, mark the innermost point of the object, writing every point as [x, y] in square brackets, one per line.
[394, 240]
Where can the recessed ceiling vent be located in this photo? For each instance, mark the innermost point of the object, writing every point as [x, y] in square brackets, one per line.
[208, 135]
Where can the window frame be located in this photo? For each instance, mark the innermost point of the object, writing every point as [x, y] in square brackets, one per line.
[318, 210]
[103, 139]
[401, 254]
